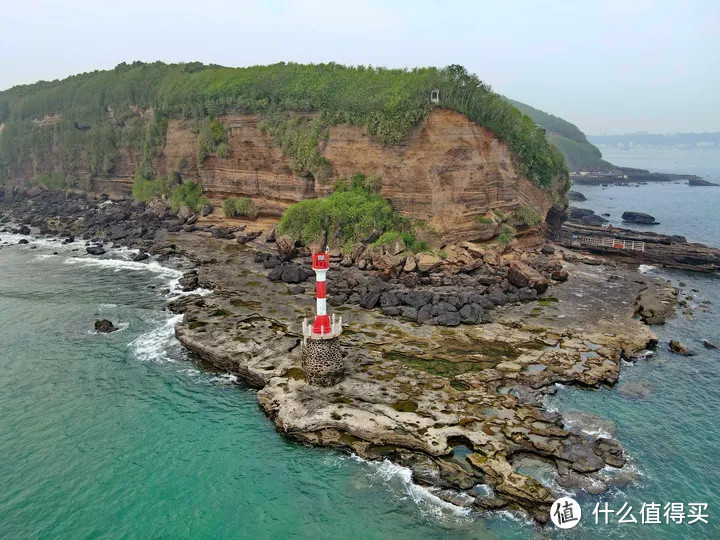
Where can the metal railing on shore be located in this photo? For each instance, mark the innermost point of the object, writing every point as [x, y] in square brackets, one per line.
[607, 241]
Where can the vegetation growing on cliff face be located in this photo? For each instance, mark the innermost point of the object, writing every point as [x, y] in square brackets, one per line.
[189, 194]
[353, 213]
[96, 109]
[527, 216]
[211, 139]
[299, 138]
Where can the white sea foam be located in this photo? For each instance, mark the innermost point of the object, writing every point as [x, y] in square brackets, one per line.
[427, 502]
[153, 346]
[120, 264]
[645, 268]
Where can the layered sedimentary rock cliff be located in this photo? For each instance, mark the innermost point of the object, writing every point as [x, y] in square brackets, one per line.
[448, 172]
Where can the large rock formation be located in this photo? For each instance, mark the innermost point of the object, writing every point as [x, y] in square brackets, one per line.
[447, 172]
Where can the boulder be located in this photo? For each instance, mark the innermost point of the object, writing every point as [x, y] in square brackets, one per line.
[244, 238]
[639, 218]
[158, 208]
[475, 250]
[184, 213]
[285, 244]
[410, 264]
[521, 275]
[448, 318]
[103, 326]
[427, 262]
[290, 273]
[576, 196]
[95, 250]
[679, 348]
[140, 256]
[396, 247]
[206, 209]
[709, 345]
[270, 234]
[370, 300]
[560, 274]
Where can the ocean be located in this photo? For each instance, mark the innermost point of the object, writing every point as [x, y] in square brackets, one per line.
[124, 435]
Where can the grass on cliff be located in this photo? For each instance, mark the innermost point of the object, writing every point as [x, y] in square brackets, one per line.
[353, 213]
[98, 115]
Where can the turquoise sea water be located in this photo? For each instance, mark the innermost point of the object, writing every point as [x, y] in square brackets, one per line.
[124, 436]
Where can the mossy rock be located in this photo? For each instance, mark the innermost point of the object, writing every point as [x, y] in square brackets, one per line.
[295, 373]
[405, 406]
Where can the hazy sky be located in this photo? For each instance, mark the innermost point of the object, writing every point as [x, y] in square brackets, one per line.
[609, 67]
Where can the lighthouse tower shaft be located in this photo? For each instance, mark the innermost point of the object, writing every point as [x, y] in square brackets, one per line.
[322, 358]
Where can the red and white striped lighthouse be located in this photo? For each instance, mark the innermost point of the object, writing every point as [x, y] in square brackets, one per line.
[323, 327]
[321, 264]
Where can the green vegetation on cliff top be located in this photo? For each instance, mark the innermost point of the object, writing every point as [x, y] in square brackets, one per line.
[94, 107]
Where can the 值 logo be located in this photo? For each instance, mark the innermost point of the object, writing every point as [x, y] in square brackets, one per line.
[565, 513]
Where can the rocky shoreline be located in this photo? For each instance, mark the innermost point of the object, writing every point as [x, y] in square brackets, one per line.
[459, 403]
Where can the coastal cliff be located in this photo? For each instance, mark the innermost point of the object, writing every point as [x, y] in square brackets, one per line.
[285, 133]
[448, 172]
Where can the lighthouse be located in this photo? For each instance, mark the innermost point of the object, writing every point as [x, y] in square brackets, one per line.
[321, 352]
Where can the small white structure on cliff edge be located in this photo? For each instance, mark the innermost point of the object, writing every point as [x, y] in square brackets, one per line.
[435, 96]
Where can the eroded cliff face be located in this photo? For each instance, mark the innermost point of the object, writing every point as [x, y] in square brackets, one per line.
[448, 172]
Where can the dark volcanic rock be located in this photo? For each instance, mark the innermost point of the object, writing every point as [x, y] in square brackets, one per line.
[244, 238]
[140, 256]
[576, 196]
[95, 250]
[103, 326]
[639, 218]
[290, 273]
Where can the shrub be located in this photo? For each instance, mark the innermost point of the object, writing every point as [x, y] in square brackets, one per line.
[239, 207]
[188, 194]
[411, 242]
[145, 190]
[507, 233]
[222, 150]
[54, 180]
[527, 215]
[484, 220]
[347, 216]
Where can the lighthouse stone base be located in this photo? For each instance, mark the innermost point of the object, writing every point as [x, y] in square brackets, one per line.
[322, 361]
